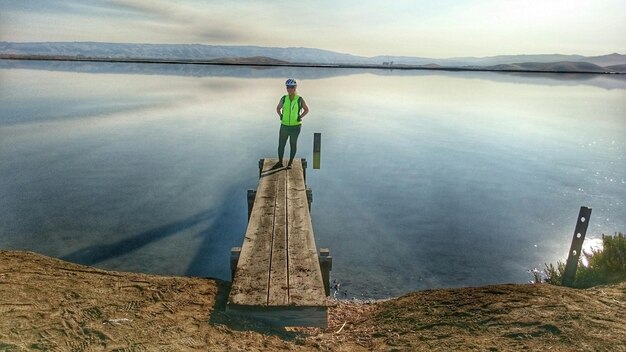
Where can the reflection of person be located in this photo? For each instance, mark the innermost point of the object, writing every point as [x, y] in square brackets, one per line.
[291, 109]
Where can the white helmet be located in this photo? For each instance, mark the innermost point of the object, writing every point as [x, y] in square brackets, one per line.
[291, 82]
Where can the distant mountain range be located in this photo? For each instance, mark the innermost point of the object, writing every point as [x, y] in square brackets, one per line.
[251, 54]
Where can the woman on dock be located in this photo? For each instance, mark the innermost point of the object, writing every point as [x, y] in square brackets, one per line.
[291, 109]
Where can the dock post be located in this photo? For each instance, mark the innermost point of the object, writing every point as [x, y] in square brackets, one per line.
[261, 161]
[234, 259]
[251, 197]
[304, 165]
[317, 150]
[326, 265]
[309, 197]
[569, 275]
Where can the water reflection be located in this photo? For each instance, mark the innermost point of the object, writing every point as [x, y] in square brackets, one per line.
[429, 179]
[614, 81]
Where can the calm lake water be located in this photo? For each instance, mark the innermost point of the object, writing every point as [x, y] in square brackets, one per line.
[428, 179]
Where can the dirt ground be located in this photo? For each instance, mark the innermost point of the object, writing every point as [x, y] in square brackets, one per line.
[51, 305]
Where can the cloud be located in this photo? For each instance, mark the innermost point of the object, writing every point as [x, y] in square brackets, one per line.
[418, 28]
[192, 23]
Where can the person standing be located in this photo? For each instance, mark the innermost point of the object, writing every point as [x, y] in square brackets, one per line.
[291, 109]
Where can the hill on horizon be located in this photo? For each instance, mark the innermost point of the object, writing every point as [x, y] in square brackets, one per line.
[291, 55]
[618, 68]
[254, 60]
[562, 66]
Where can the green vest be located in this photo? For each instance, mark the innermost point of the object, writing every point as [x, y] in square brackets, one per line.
[291, 111]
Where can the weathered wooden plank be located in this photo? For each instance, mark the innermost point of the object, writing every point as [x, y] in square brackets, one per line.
[278, 277]
[278, 285]
[250, 285]
[305, 278]
[316, 316]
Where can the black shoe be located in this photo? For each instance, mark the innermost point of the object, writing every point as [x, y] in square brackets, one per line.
[278, 165]
[288, 166]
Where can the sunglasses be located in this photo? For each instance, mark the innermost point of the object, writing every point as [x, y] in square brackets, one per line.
[291, 87]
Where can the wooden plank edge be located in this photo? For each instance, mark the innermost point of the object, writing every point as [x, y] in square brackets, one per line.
[296, 316]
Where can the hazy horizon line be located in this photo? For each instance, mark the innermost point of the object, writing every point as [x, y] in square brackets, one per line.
[313, 48]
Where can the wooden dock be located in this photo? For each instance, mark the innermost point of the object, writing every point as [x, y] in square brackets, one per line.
[277, 276]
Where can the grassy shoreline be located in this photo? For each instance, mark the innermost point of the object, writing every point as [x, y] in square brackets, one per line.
[50, 304]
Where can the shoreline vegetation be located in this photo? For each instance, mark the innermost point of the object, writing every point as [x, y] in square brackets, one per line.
[258, 61]
[51, 304]
[600, 266]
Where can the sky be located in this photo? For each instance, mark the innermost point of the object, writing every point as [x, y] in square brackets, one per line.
[424, 28]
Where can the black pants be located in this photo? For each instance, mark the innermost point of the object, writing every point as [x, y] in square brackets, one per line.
[291, 132]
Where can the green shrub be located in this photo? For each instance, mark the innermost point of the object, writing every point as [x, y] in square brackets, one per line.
[605, 266]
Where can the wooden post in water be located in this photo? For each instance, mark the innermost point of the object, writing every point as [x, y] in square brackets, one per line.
[309, 197]
[304, 165]
[261, 161]
[234, 259]
[326, 264]
[309, 193]
[251, 197]
[317, 150]
[577, 244]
